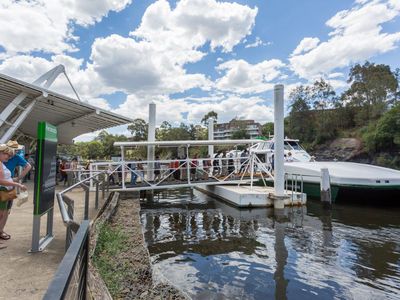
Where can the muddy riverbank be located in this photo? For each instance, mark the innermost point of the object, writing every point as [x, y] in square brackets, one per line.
[123, 260]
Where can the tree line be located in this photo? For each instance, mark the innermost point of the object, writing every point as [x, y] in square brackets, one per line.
[368, 109]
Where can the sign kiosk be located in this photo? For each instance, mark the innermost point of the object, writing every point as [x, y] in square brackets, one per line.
[45, 184]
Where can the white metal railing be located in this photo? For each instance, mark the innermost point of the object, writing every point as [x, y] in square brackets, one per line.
[138, 174]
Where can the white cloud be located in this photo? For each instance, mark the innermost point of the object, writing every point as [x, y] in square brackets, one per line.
[139, 67]
[257, 42]
[86, 81]
[357, 35]
[242, 77]
[47, 25]
[153, 59]
[194, 22]
[306, 45]
[173, 110]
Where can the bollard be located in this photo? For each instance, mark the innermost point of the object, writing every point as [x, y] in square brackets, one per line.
[326, 197]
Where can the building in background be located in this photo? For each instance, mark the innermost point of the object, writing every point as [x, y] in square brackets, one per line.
[237, 129]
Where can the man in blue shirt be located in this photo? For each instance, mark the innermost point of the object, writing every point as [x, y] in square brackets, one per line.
[17, 160]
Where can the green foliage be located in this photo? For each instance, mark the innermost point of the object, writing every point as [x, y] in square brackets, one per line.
[210, 114]
[107, 141]
[372, 88]
[139, 130]
[267, 129]
[240, 134]
[111, 242]
[385, 133]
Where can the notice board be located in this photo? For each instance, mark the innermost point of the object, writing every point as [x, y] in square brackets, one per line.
[45, 172]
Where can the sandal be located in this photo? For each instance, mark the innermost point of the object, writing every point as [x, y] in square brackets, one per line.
[5, 236]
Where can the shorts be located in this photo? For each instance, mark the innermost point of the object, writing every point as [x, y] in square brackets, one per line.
[3, 205]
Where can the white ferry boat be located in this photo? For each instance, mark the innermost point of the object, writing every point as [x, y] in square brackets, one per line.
[348, 180]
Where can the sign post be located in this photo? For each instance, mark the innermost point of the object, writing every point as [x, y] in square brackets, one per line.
[45, 184]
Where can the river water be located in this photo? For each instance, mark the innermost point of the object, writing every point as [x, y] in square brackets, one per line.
[211, 250]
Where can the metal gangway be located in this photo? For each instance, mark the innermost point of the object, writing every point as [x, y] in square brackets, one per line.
[136, 174]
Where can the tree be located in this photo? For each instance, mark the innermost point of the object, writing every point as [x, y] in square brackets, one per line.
[372, 88]
[138, 129]
[210, 114]
[301, 98]
[107, 141]
[267, 129]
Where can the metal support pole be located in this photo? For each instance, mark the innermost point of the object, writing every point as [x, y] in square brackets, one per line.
[188, 163]
[151, 138]
[13, 128]
[211, 136]
[123, 166]
[279, 140]
[251, 170]
[35, 234]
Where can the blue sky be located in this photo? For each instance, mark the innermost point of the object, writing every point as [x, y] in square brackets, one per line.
[193, 56]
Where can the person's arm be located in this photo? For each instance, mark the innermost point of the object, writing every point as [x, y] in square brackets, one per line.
[4, 182]
[25, 171]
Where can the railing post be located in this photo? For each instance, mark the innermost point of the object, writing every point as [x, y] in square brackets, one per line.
[96, 202]
[86, 213]
[188, 163]
[103, 187]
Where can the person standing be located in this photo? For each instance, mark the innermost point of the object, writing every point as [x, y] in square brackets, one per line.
[63, 172]
[132, 167]
[157, 169]
[8, 184]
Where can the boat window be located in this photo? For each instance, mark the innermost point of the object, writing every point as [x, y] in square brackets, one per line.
[294, 145]
[287, 146]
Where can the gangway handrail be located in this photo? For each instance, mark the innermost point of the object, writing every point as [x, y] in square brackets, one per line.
[67, 215]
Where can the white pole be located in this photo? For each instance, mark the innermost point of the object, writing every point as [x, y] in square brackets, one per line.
[123, 166]
[151, 138]
[279, 175]
[211, 136]
[326, 197]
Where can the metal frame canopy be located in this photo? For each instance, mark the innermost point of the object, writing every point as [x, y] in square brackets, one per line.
[23, 105]
[187, 143]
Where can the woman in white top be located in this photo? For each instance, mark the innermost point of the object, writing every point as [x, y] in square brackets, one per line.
[6, 183]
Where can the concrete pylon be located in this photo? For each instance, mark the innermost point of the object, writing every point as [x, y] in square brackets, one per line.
[279, 171]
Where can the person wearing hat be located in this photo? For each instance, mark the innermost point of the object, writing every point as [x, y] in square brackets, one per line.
[7, 184]
[14, 161]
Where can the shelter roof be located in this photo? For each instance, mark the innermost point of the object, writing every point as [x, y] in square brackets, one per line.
[72, 117]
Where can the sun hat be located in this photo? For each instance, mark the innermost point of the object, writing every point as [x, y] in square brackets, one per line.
[14, 145]
[5, 149]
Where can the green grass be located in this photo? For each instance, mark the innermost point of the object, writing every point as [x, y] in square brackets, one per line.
[111, 242]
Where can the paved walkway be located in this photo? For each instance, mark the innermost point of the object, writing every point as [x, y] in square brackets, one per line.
[24, 275]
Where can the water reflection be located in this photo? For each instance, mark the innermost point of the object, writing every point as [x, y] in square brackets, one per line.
[215, 251]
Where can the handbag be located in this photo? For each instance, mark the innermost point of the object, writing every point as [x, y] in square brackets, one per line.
[8, 195]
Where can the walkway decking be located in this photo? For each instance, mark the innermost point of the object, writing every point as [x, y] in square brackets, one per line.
[24, 275]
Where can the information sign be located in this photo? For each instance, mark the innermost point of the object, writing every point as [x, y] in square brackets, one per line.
[45, 173]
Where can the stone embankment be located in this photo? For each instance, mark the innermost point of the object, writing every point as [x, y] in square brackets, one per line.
[124, 262]
[353, 150]
[342, 149]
